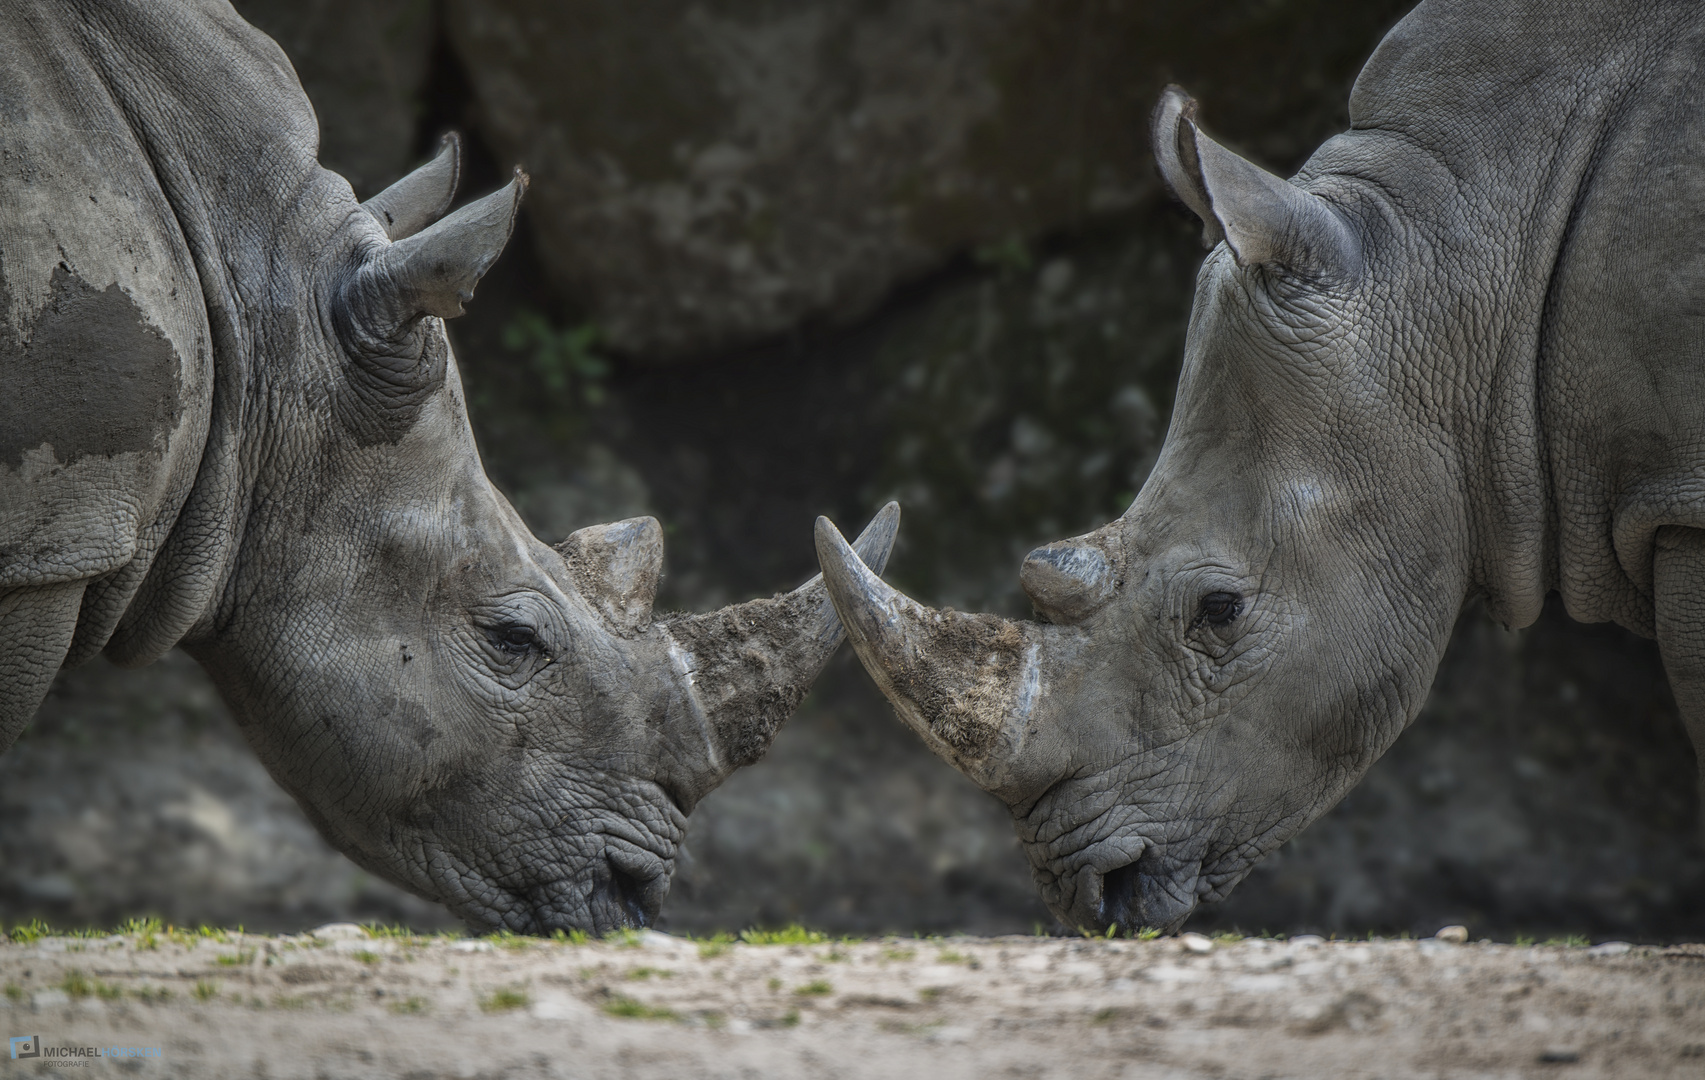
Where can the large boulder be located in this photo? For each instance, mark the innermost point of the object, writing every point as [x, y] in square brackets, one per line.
[709, 174]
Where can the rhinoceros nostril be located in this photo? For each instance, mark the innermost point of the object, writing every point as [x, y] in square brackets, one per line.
[628, 893]
[1119, 901]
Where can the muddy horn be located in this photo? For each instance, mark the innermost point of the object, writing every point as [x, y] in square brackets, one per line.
[969, 685]
[749, 665]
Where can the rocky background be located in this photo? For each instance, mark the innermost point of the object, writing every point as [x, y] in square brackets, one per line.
[783, 259]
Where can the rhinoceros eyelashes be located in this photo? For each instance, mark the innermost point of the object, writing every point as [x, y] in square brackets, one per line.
[1263, 219]
[1219, 608]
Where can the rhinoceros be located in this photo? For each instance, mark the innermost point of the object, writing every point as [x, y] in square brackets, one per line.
[1459, 356]
[230, 420]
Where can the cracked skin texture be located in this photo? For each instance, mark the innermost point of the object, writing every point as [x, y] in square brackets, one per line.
[1456, 358]
[204, 456]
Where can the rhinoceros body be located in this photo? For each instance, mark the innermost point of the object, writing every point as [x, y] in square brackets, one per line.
[1461, 355]
[230, 419]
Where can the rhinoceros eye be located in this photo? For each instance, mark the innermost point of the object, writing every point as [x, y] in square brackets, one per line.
[514, 637]
[1219, 608]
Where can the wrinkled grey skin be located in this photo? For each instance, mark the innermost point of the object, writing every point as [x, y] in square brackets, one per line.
[231, 420]
[1458, 356]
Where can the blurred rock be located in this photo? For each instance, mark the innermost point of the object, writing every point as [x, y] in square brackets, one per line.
[362, 63]
[709, 174]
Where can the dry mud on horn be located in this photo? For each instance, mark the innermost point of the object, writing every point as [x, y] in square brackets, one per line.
[346, 1004]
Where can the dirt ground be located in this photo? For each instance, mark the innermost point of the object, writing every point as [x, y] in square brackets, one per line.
[340, 1003]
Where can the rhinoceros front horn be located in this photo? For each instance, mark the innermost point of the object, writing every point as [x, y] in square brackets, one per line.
[968, 684]
[750, 664]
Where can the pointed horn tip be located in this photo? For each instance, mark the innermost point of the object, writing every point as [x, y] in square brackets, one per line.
[521, 180]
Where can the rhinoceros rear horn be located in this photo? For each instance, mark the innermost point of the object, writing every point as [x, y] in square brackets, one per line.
[1265, 220]
[617, 568]
[432, 272]
[421, 197]
[749, 665]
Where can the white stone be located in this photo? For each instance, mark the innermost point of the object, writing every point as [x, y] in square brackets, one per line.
[337, 931]
[1453, 935]
[1195, 943]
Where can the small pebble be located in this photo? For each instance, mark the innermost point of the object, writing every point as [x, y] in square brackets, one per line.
[1195, 943]
[1454, 935]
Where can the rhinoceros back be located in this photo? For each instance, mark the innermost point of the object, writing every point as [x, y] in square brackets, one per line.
[147, 153]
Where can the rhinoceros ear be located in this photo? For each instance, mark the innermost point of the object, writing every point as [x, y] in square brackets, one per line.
[432, 272]
[617, 567]
[421, 197]
[1265, 220]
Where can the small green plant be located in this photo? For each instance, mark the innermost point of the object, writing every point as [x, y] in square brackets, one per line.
[368, 956]
[1523, 939]
[565, 360]
[1227, 937]
[76, 984]
[1570, 941]
[790, 1018]
[952, 956]
[929, 994]
[895, 953]
[145, 931]
[14, 993]
[206, 990]
[244, 957]
[649, 972]
[502, 1000]
[409, 1006]
[31, 932]
[814, 988]
[775, 984]
[152, 995]
[634, 1009]
[1147, 933]
[791, 934]
[624, 938]
[569, 937]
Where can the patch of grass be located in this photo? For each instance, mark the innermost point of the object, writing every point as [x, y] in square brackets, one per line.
[1523, 939]
[504, 999]
[648, 972]
[569, 937]
[715, 945]
[952, 956]
[31, 932]
[509, 939]
[814, 988]
[368, 956]
[929, 994]
[242, 958]
[1570, 941]
[791, 934]
[14, 993]
[836, 956]
[623, 938]
[1147, 933]
[152, 995]
[775, 984]
[78, 986]
[206, 990]
[1227, 937]
[409, 1006]
[895, 953]
[634, 1009]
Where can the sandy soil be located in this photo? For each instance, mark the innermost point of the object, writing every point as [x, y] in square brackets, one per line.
[341, 1004]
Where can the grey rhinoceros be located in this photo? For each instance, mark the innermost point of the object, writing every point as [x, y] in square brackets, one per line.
[230, 419]
[1460, 355]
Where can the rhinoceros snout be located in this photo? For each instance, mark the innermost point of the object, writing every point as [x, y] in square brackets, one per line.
[631, 892]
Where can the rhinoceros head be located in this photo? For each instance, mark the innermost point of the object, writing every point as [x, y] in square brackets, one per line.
[493, 722]
[1210, 672]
